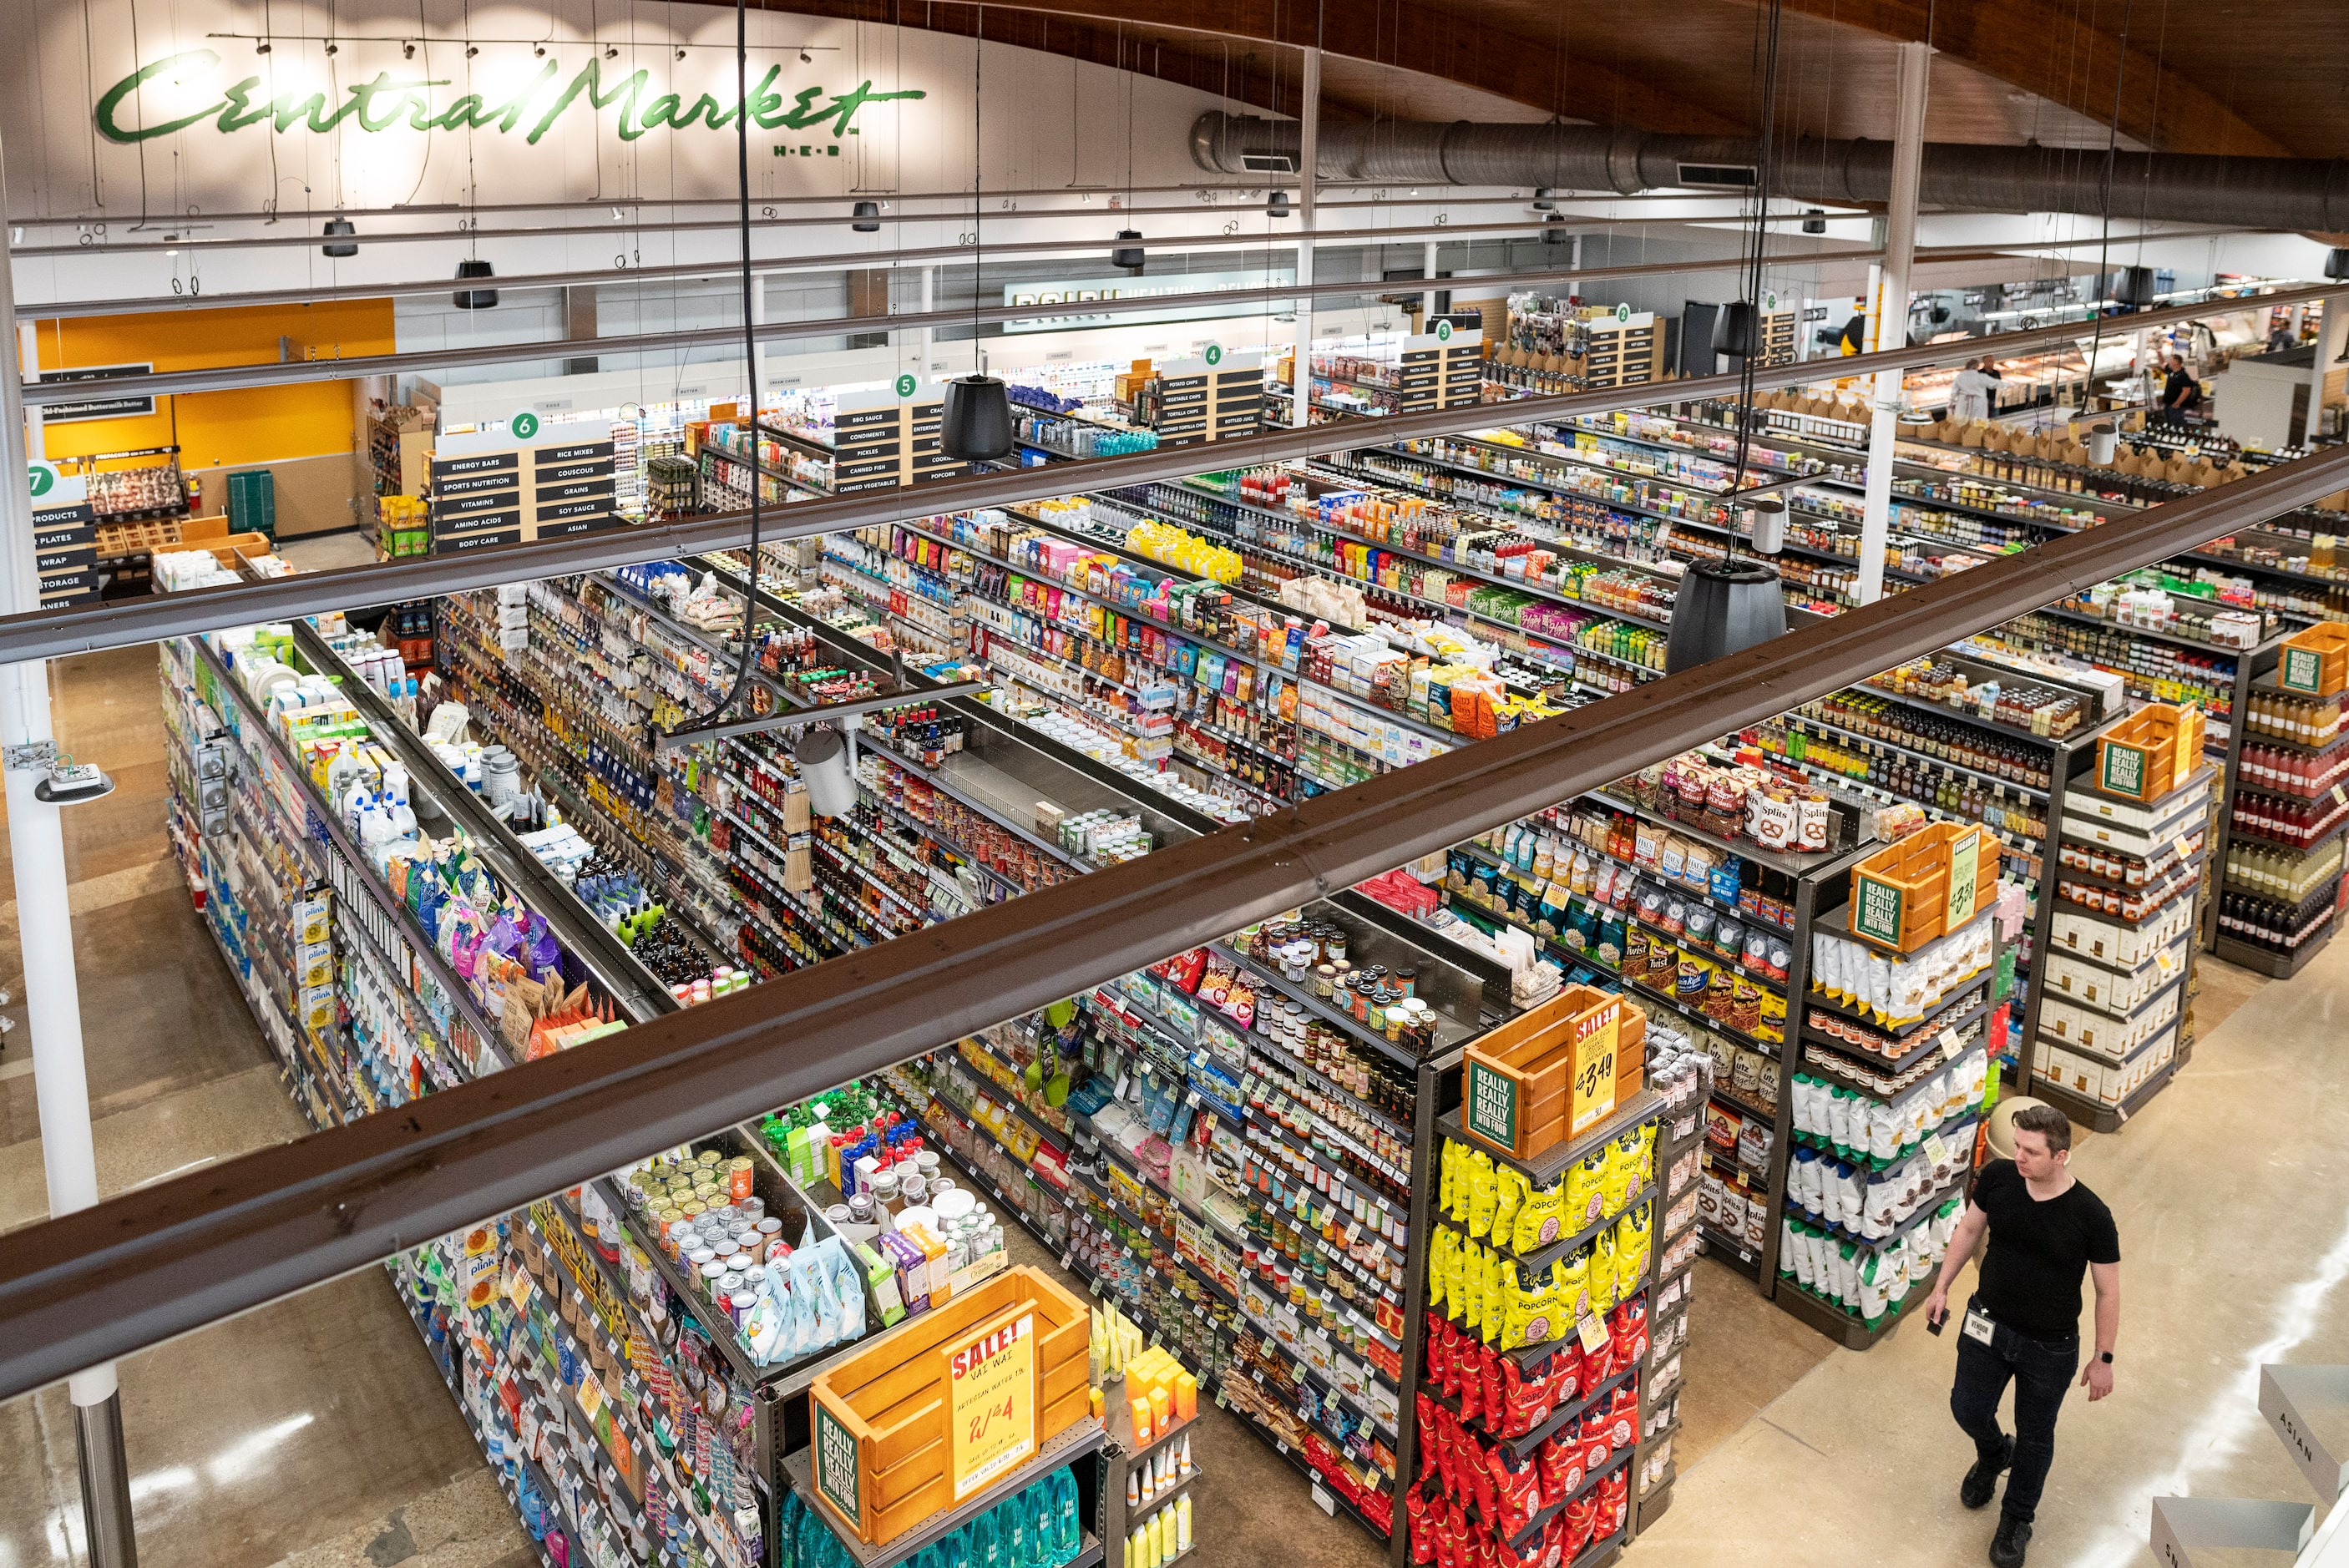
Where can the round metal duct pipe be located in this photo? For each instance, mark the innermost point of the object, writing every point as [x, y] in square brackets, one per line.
[2305, 194]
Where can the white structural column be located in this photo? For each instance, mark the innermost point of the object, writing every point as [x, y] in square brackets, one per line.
[1309, 150]
[36, 846]
[2332, 337]
[928, 337]
[1892, 311]
[1427, 295]
[36, 436]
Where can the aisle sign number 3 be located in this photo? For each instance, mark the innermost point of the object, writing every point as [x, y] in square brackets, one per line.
[991, 1413]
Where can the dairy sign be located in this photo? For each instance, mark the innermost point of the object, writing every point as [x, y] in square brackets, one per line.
[548, 97]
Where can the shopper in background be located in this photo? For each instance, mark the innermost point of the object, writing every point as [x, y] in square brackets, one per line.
[1969, 391]
[2180, 393]
[2023, 1323]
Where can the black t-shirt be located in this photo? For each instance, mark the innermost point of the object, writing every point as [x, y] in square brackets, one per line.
[2039, 1251]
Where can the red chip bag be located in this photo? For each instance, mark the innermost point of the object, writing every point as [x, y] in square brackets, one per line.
[1416, 1519]
[1623, 1412]
[1628, 1328]
[1518, 1482]
[1596, 1444]
[1566, 1376]
[1561, 1462]
[1495, 1411]
[1614, 1499]
[1582, 1515]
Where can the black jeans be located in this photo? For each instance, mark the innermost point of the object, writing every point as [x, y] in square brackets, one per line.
[2042, 1370]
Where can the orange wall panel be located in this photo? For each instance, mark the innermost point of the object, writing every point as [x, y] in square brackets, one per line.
[215, 429]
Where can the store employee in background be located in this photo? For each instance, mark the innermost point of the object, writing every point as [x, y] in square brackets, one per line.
[2023, 1323]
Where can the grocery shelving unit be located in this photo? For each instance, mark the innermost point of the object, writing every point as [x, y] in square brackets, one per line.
[2299, 928]
[2124, 980]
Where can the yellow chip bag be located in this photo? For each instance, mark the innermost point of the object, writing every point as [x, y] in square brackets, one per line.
[1615, 1183]
[1602, 1271]
[1480, 1186]
[1442, 1253]
[1510, 1188]
[1496, 1291]
[1631, 1239]
[1585, 1188]
[1538, 1218]
[1570, 1284]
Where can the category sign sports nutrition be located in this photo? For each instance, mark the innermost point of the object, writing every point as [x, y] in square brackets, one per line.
[992, 1403]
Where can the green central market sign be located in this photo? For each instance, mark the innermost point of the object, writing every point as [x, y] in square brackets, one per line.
[390, 102]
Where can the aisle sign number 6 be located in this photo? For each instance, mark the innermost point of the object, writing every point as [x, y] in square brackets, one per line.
[523, 425]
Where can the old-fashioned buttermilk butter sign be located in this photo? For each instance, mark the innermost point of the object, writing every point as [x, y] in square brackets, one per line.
[388, 103]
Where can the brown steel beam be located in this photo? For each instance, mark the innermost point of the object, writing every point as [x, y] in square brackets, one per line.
[163, 1260]
[54, 634]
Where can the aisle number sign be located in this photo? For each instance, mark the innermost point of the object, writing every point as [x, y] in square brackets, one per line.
[992, 1403]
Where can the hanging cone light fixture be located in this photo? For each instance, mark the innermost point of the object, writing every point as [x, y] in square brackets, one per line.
[976, 424]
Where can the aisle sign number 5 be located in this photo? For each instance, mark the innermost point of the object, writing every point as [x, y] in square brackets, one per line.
[991, 1410]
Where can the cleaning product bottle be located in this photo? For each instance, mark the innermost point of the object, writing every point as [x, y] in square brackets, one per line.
[1067, 1536]
[1183, 1523]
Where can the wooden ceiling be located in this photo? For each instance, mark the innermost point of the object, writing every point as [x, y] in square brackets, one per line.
[2267, 78]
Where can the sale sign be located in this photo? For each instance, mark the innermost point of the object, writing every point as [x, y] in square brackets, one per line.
[992, 1403]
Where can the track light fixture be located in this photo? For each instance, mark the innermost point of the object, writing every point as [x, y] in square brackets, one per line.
[472, 50]
[611, 51]
[261, 48]
[680, 53]
[336, 245]
[538, 50]
[406, 50]
[333, 47]
[868, 218]
[474, 299]
[806, 59]
[1126, 257]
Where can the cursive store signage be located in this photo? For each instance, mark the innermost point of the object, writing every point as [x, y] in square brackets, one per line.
[390, 103]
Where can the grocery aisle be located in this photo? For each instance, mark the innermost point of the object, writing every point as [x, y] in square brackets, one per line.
[1858, 1460]
[313, 1432]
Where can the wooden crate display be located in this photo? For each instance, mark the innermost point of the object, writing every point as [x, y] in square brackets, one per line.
[1908, 892]
[2151, 752]
[883, 1458]
[1552, 1072]
[2315, 661]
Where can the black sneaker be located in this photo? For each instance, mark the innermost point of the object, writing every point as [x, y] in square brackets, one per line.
[2006, 1547]
[1983, 1480]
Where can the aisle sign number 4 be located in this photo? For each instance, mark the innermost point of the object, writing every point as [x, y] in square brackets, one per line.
[991, 1409]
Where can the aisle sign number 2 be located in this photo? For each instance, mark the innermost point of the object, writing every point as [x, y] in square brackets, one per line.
[991, 1413]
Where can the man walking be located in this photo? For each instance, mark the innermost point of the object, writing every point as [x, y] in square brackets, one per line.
[2024, 1322]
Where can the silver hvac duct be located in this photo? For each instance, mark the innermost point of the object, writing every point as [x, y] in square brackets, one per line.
[2305, 194]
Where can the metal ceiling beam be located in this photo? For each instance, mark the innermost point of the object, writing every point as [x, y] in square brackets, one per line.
[838, 219]
[237, 376]
[1007, 252]
[55, 634]
[163, 1260]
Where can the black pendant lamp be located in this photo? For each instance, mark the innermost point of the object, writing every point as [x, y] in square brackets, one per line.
[1722, 607]
[2336, 263]
[1737, 330]
[1276, 204]
[338, 244]
[1553, 231]
[868, 218]
[475, 299]
[1544, 199]
[1127, 257]
[1814, 220]
[977, 425]
[2133, 287]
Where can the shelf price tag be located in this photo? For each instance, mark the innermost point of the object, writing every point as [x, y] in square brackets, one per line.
[1935, 1150]
[1951, 1045]
[1593, 1331]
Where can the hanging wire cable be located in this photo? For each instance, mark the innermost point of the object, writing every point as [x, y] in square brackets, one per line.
[1761, 237]
[2104, 200]
[751, 354]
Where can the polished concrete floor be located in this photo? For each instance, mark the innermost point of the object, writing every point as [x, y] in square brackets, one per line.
[316, 1433]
